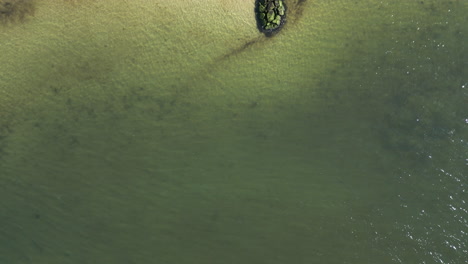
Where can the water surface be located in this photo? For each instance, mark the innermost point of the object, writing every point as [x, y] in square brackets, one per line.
[139, 132]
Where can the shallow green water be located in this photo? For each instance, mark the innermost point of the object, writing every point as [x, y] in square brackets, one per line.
[156, 138]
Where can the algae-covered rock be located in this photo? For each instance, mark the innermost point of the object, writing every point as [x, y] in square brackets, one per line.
[271, 15]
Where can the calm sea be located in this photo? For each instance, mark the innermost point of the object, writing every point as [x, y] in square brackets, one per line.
[166, 132]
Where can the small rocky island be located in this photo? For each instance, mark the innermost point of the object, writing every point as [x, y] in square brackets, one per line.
[271, 16]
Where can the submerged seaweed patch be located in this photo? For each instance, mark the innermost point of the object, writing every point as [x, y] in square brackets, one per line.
[12, 11]
[271, 15]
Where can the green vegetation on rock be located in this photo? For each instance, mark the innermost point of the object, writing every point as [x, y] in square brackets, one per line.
[271, 15]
